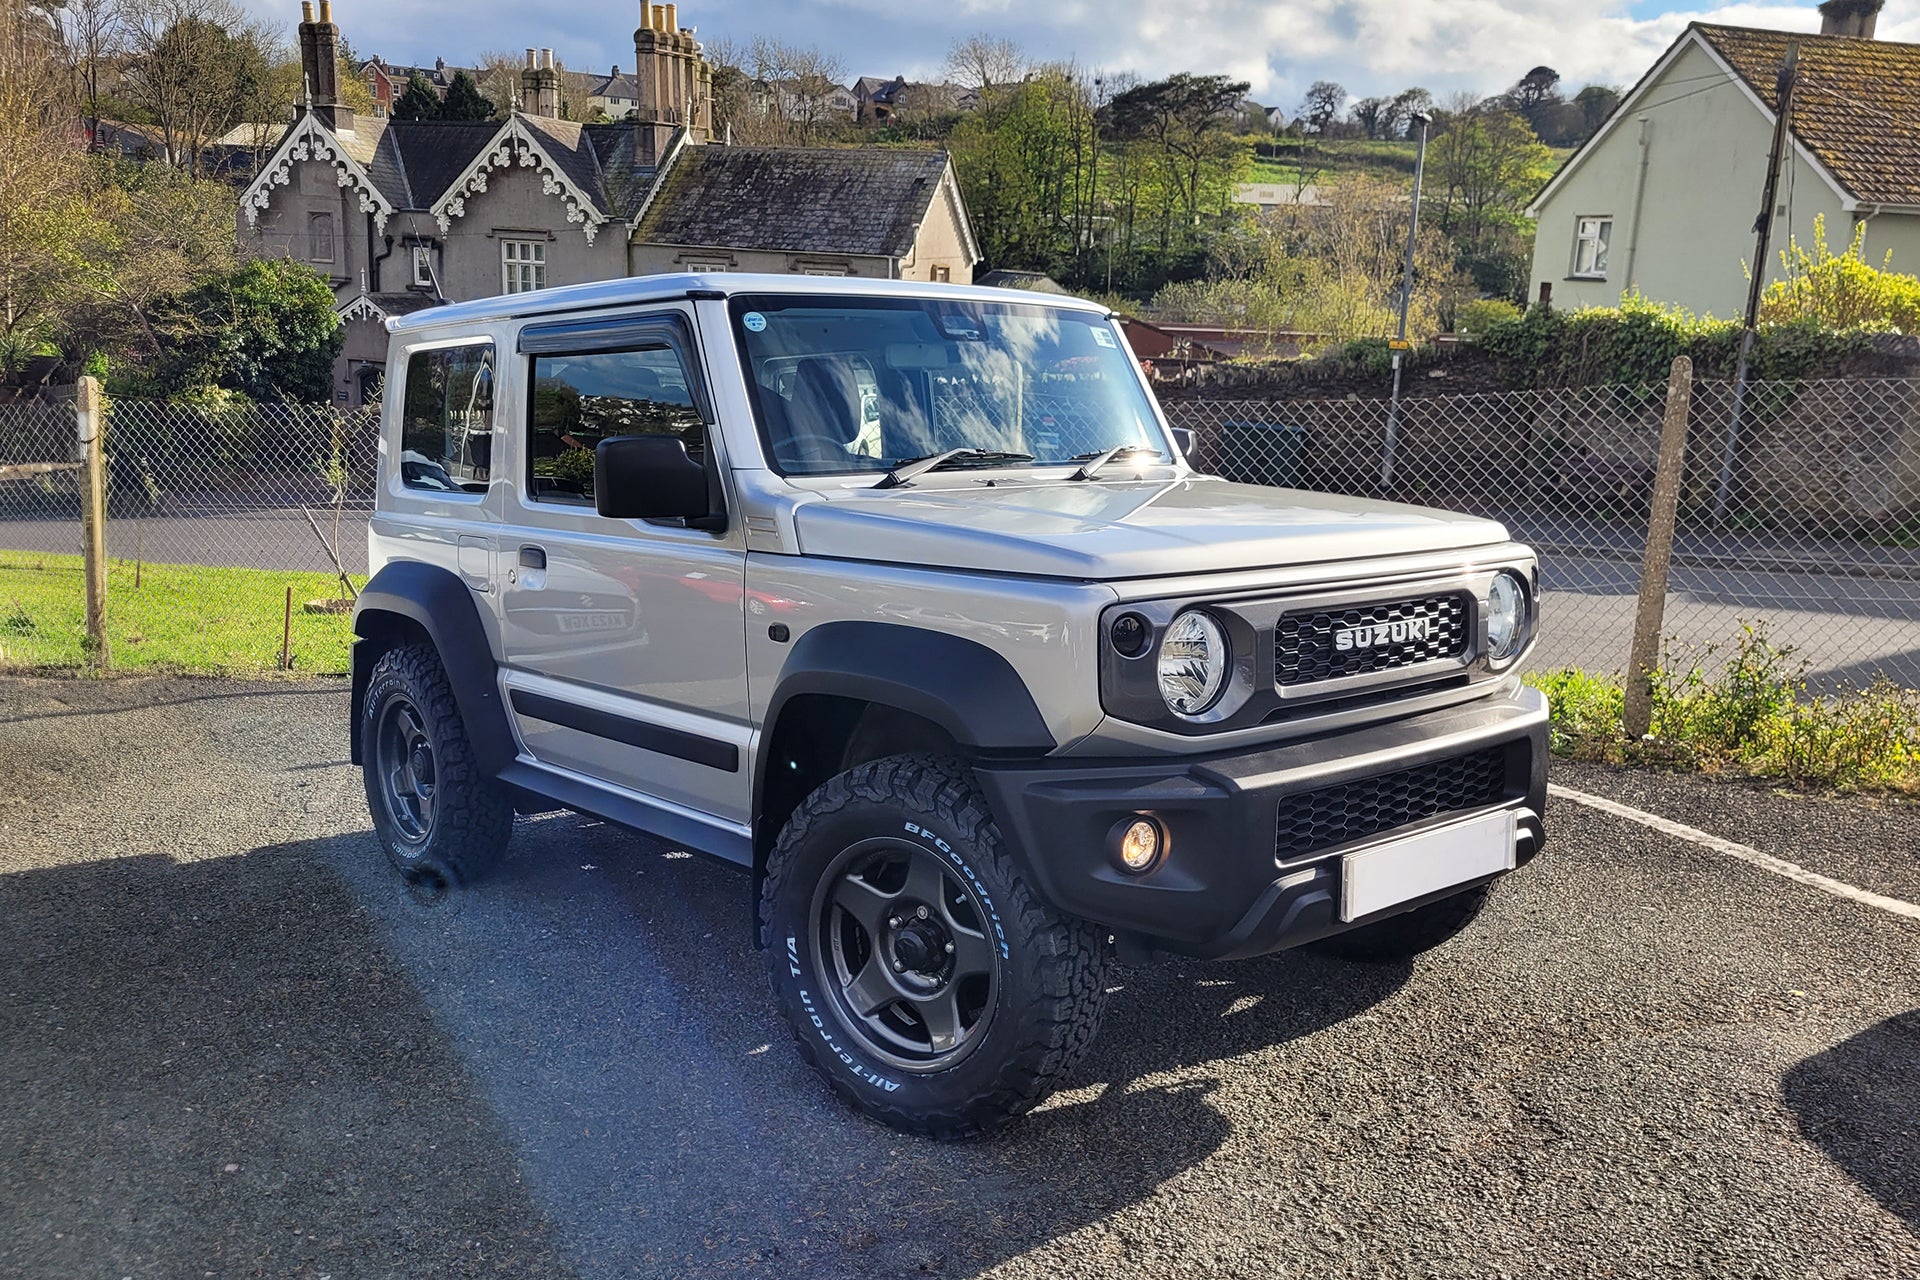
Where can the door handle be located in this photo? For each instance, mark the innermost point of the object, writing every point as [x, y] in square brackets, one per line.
[533, 558]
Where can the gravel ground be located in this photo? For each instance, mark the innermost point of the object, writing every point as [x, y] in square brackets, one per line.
[230, 1045]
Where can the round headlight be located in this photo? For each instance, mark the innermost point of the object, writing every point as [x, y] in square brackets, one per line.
[1506, 617]
[1193, 664]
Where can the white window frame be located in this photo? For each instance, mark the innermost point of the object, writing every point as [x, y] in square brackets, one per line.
[423, 265]
[706, 266]
[523, 265]
[1592, 229]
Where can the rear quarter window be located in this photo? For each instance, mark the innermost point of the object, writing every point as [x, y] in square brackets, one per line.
[446, 424]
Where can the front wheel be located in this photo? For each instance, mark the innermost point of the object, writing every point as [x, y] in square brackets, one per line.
[921, 975]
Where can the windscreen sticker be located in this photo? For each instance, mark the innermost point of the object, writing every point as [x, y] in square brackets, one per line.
[1105, 339]
[755, 322]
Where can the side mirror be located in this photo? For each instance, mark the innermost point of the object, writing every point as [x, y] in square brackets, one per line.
[1184, 441]
[650, 478]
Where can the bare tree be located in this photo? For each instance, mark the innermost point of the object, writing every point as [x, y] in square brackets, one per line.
[201, 67]
[93, 36]
[1323, 104]
[986, 64]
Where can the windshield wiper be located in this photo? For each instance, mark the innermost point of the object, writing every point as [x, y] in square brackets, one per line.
[905, 471]
[1097, 462]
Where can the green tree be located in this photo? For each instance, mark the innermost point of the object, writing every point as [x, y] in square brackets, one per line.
[266, 331]
[463, 100]
[418, 101]
[1026, 161]
[1183, 124]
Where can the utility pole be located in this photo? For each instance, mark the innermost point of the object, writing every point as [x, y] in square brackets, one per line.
[1400, 345]
[1757, 283]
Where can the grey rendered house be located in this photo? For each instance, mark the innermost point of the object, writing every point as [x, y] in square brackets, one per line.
[402, 215]
[1663, 199]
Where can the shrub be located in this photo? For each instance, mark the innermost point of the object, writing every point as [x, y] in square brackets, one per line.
[1842, 291]
[1476, 317]
[1755, 716]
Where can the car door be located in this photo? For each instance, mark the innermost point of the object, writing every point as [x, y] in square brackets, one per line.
[624, 640]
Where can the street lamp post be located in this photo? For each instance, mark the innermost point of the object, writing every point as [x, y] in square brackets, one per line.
[1389, 455]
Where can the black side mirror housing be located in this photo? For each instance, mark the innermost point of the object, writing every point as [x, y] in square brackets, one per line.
[652, 478]
[1183, 440]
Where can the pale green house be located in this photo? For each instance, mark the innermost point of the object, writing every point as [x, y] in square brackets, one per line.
[1664, 198]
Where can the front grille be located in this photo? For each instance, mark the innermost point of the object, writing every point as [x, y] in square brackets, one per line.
[1317, 820]
[1384, 637]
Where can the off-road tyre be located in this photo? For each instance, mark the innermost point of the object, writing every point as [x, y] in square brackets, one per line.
[471, 815]
[1407, 935]
[1048, 990]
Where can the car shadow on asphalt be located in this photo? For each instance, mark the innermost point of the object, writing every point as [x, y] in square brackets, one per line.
[1858, 1102]
[216, 1065]
[606, 995]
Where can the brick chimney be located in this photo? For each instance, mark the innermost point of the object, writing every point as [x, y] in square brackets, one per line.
[1855, 18]
[675, 79]
[320, 65]
[540, 85]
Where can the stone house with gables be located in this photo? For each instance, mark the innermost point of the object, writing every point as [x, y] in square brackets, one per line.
[403, 215]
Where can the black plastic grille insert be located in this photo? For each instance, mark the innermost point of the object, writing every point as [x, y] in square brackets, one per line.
[1384, 637]
[1317, 820]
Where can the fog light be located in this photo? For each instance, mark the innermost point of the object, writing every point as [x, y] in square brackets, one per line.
[1139, 845]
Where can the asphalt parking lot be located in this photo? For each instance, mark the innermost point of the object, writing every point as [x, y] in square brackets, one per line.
[231, 1045]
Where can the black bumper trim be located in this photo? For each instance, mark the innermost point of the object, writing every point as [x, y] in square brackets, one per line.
[1221, 891]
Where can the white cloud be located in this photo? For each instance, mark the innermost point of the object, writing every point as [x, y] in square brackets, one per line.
[1278, 46]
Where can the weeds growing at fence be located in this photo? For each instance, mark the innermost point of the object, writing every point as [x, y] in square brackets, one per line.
[1754, 716]
[180, 619]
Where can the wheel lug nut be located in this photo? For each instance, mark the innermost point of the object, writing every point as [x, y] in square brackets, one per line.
[922, 913]
[949, 948]
[895, 922]
[899, 966]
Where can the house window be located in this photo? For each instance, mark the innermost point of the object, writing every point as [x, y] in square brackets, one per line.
[835, 272]
[523, 265]
[423, 266]
[580, 400]
[320, 237]
[943, 275]
[446, 427]
[1590, 242]
[708, 267]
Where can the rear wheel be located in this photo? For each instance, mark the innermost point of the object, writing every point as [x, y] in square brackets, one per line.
[442, 823]
[1406, 935]
[922, 976]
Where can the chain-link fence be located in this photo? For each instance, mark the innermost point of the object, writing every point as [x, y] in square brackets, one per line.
[1810, 525]
[1804, 519]
[228, 534]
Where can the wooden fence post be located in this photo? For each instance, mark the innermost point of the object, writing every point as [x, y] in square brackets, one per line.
[93, 516]
[1650, 619]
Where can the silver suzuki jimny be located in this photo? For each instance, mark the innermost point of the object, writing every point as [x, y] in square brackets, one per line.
[905, 599]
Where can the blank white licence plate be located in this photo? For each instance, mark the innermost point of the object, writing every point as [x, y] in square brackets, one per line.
[1383, 877]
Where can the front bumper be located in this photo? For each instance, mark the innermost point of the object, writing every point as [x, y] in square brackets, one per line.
[1233, 884]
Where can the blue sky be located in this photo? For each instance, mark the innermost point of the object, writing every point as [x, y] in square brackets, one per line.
[1371, 46]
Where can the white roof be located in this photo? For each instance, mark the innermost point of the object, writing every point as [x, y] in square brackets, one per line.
[634, 290]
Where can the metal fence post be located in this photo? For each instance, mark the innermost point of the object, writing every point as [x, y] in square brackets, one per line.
[92, 424]
[1650, 619]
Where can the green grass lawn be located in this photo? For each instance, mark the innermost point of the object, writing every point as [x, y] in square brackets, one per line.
[181, 618]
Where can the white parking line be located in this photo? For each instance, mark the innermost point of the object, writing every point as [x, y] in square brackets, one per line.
[1745, 853]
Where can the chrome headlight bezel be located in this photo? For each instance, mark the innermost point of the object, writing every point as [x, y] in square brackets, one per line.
[1509, 618]
[1193, 636]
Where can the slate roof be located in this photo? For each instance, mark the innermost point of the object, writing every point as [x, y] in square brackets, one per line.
[615, 86]
[1856, 107]
[864, 202]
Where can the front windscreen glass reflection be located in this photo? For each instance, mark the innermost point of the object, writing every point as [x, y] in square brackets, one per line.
[850, 385]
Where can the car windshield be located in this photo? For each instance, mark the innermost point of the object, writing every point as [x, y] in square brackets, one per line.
[852, 385]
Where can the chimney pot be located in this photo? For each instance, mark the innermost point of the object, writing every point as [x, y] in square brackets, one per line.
[673, 19]
[1856, 19]
[533, 59]
[659, 17]
[326, 10]
[306, 10]
[546, 59]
